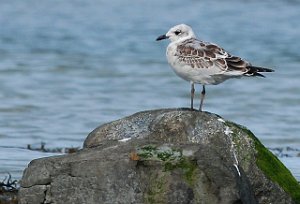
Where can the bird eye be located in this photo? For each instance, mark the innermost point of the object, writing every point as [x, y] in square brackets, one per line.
[177, 32]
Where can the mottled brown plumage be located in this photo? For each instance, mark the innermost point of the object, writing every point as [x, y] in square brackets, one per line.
[205, 55]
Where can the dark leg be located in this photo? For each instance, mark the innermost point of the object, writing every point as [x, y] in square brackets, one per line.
[192, 95]
[202, 97]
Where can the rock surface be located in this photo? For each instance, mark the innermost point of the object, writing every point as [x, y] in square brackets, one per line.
[163, 156]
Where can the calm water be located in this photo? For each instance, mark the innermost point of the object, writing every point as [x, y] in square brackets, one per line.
[68, 66]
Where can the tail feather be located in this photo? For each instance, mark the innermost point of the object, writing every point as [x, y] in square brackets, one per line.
[253, 71]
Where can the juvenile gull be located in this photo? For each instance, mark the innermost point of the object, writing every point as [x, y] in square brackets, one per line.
[202, 62]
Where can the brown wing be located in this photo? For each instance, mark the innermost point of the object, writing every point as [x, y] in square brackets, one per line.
[237, 64]
[199, 54]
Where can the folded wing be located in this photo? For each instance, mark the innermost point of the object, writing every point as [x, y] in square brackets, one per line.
[202, 55]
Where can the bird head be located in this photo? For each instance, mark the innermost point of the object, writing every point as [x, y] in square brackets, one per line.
[178, 32]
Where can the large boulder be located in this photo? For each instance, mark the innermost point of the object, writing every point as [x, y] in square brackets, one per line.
[163, 156]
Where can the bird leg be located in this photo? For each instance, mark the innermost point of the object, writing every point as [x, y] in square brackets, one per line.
[202, 97]
[192, 95]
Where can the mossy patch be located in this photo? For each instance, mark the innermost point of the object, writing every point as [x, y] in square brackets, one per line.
[161, 153]
[147, 151]
[172, 159]
[187, 166]
[272, 166]
[157, 187]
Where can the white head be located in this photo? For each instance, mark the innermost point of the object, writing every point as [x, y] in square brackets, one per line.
[178, 32]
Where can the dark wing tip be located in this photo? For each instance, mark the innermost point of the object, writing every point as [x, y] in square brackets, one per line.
[254, 71]
[258, 74]
[260, 69]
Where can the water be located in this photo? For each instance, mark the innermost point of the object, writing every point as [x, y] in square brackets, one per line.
[68, 66]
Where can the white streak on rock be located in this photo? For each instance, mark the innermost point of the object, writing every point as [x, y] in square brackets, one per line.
[228, 131]
[235, 158]
[221, 120]
[125, 139]
[237, 169]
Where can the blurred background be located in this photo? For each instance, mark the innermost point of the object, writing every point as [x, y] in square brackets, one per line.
[69, 66]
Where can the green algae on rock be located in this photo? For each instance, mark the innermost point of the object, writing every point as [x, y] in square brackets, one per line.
[271, 165]
[171, 158]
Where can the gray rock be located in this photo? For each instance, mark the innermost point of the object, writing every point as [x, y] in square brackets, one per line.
[163, 156]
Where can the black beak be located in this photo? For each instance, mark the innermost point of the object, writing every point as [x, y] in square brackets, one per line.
[162, 37]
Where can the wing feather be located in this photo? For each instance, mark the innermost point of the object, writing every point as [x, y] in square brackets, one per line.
[200, 54]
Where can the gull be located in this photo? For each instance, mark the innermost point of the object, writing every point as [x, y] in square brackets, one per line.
[202, 62]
